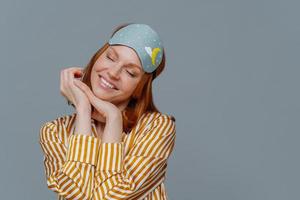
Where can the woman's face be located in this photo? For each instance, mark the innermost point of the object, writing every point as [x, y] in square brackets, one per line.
[120, 66]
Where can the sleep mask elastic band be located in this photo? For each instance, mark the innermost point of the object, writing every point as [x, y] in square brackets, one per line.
[144, 40]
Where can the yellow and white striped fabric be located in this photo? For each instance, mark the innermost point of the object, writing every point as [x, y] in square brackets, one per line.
[82, 167]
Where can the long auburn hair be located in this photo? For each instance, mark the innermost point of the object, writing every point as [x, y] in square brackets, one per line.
[141, 100]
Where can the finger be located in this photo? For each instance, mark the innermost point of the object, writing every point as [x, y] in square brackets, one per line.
[63, 89]
[83, 87]
[76, 71]
[64, 79]
[96, 102]
[86, 90]
[68, 81]
[73, 72]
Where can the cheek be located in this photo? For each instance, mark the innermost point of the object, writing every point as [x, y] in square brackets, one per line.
[97, 65]
[100, 63]
[130, 86]
[94, 80]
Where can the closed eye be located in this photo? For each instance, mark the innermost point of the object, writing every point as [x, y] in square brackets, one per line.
[109, 58]
[130, 73]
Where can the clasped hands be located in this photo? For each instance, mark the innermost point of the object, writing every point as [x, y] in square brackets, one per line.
[82, 97]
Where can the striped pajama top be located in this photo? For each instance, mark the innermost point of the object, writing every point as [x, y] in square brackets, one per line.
[82, 167]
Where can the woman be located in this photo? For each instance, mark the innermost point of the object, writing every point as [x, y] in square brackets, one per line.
[116, 145]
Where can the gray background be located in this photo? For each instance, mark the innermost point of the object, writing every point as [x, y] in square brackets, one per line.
[231, 81]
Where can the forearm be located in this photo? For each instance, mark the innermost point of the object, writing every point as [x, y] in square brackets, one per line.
[83, 122]
[113, 130]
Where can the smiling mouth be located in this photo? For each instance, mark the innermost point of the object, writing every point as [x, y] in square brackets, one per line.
[106, 84]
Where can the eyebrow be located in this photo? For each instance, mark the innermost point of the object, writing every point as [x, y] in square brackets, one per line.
[130, 64]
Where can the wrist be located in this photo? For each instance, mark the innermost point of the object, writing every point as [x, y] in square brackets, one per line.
[83, 123]
[83, 111]
[114, 116]
[113, 129]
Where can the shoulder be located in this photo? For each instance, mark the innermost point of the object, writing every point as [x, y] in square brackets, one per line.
[56, 129]
[157, 115]
[162, 122]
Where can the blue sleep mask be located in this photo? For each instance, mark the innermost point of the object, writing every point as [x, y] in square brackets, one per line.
[144, 40]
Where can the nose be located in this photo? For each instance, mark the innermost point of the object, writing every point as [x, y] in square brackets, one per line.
[114, 71]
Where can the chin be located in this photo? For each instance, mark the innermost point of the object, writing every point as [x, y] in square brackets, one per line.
[99, 94]
[105, 97]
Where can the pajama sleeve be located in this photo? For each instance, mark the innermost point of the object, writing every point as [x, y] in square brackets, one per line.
[69, 163]
[142, 169]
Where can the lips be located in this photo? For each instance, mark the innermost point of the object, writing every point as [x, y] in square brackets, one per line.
[110, 83]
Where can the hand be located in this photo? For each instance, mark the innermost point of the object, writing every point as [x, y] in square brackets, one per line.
[113, 117]
[70, 91]
[105, 108]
